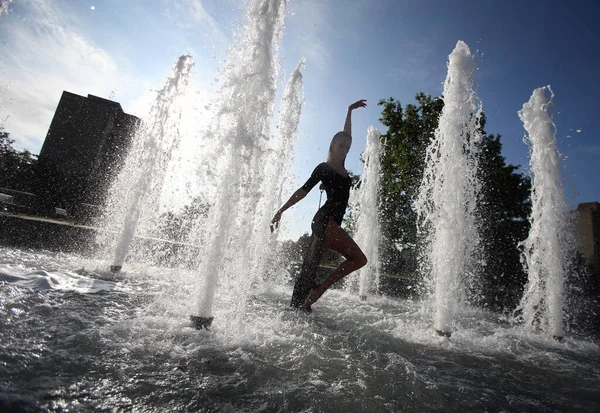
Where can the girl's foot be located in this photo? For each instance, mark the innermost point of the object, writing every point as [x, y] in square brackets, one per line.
[310, 300]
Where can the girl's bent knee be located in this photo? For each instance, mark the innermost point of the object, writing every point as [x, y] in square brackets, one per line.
[361, 261]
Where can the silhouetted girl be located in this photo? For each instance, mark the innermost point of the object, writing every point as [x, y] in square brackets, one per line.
[327, 233]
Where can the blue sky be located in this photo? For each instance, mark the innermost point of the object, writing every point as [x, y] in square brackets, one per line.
[354, 50]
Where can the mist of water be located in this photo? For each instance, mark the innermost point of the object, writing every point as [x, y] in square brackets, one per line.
[135, 193]
[376, 355]
[548, 249]
[448, 193]
[241, 127]
[278, 168]
[4, 7]
[365, 211]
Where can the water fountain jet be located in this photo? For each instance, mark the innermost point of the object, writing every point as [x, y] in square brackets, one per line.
[349, 358]
[448, 193]
[366, 211]
[280, 156]
[242, 128]
[136, 191]
[548, 248]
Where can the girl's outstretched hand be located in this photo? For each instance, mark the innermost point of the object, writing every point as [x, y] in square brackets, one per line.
[360, 104]
[275, 221]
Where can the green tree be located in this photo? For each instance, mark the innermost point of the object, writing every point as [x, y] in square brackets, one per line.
[16, 167]
[503, 212]
[294, 251]
[503, 206]
[177, 226]
[408, 135]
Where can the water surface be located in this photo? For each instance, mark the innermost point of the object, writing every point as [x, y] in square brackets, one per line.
[85, 341]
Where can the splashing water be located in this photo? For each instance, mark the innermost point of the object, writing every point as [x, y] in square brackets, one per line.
[377, 355]
[129, 348]
[366, 211]
[547, 251]
[447, 197]
[242, 129]
[135, 193]
[4, 7]
[279, 158]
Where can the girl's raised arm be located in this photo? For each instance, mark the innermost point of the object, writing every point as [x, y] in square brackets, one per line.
[348, 124]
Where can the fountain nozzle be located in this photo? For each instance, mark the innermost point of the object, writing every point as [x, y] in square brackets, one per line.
[115, 268]
[201, 322]
[558, 338]
[442, 333]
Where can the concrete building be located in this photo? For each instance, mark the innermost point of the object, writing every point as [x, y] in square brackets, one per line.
[84, 148]
[588, 233]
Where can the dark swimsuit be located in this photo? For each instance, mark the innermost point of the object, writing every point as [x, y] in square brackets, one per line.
[337, 188]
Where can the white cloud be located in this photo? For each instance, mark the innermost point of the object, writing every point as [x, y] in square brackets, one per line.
[318, 56]
[45, 54]
[192, 14]
[199, 13]
[311, 22]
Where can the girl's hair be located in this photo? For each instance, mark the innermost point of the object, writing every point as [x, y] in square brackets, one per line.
[338, 136]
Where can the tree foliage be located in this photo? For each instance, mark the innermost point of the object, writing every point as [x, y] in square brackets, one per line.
[409, 132]
[503, 212]
[16, 167]
[178, 226]
[503, 206]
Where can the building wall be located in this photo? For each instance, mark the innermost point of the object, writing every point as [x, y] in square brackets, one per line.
[588, 233]
[84, 147]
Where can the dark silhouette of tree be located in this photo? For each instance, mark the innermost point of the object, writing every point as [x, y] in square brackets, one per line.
[503, 205]
[402, 163]
[16, 167]
[176, 226]
[503, 212]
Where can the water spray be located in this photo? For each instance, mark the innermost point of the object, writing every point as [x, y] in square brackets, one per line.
[547, 250]
[448, 193]
[366, 210]
[242, 127]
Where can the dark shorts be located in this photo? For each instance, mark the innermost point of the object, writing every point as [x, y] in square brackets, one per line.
[320, 221]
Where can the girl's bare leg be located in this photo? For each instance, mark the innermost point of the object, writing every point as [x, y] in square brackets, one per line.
[338, 240]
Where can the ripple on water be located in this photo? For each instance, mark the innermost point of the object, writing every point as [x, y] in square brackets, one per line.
[133, 348]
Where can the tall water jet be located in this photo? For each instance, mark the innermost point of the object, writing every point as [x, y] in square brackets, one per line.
[448, 193]
[242, 129]
[279, 160]
[137, 189]
[548, 248]
[366, 213]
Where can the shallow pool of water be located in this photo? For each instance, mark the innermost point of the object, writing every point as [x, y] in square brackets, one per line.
[79, 340]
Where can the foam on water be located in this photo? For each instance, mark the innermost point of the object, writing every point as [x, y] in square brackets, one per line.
[132, 348]
[59, 280]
